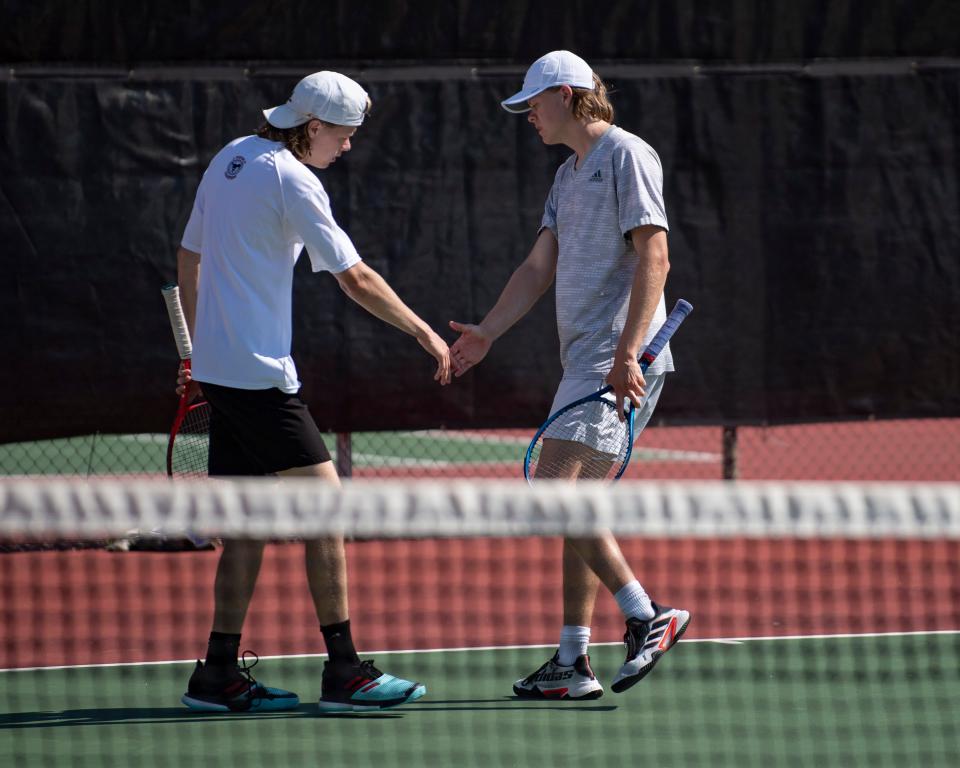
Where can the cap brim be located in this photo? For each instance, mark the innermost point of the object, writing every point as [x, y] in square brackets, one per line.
[518, 102]
[284, 117]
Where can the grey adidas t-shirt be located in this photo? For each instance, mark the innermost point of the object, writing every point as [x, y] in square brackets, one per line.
[618, 187]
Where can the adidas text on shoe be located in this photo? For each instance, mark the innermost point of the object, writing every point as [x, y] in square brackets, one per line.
[361, 687]
[234, 690]
[556, 681]
[647, 641]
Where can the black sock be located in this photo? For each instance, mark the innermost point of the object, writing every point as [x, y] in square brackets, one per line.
[222, 649]
[340, 642]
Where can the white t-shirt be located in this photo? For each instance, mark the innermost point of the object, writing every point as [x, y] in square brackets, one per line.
[257, 206]
[591, 209]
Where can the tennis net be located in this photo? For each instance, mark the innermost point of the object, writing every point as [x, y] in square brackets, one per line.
[825, 622]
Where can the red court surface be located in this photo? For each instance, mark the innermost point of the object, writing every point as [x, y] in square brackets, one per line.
[92, 606]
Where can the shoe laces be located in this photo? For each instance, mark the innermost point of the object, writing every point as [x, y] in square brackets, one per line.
[635, 636]
[367, 668]
[254, 689]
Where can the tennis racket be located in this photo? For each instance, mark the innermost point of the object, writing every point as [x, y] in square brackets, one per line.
[190, 434]
[586, 440]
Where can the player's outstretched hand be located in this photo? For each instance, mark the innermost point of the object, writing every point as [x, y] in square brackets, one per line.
[470, 348]
[437, 347]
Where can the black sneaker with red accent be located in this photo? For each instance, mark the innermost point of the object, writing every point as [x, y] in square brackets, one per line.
[361, 687]
[554, 680]
[646, 643]
[233, 689]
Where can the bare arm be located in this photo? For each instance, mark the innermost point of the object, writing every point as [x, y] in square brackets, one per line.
[526, 285]
[368, 289]
[650, 244]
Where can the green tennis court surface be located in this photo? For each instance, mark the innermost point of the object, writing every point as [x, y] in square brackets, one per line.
[851, 701]
[121, 454]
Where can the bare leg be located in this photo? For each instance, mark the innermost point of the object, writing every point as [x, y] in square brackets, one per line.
[586, 561]
[327, 575]
[603, 557]
[325, 559]
[580, 586]
[236, 578]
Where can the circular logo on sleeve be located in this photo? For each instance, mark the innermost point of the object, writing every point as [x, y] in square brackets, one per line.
[236, 165]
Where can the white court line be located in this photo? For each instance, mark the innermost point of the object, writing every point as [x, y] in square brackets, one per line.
[141, 438]
[393, 460]
[645, 454]
[469, 437]
[719, 640]
[374, 460]
[667, 454]
[648, 453]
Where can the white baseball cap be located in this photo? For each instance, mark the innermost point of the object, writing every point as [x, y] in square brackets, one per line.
[556, 68]
[327, 96]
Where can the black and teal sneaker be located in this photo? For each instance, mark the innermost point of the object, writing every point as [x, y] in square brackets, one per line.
[234, 690]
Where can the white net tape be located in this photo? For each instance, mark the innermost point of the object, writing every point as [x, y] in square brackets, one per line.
[261, 508]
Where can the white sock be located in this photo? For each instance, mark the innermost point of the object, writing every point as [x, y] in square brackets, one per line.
[573, 643]
[634, 602]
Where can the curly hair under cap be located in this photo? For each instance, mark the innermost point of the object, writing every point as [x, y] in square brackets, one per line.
[593, 104]
[296, 139]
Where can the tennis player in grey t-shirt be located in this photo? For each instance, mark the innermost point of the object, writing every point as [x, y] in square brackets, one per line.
[603, 240]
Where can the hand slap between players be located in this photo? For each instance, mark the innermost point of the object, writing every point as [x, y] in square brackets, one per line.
[438, 348]
[470, 348]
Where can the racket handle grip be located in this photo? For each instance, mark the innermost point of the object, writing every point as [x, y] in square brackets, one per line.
[178, 322]
[677, 315]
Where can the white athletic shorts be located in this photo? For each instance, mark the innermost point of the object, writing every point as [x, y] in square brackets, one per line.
[601, 432]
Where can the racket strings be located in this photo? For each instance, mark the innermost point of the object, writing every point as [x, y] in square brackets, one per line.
[586, 442]
[192, 442]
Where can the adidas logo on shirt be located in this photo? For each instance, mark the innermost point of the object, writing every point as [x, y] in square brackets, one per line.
[597, 178]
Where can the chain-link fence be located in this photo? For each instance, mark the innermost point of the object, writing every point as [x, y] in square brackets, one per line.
[926, 449]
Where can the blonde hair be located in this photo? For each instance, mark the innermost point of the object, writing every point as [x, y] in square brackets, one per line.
[594, 104]
[296, 139]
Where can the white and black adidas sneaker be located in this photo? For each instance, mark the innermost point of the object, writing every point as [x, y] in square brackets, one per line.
[647, 641]
[556, 681]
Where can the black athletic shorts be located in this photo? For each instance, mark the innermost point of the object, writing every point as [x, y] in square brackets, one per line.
[260, 432]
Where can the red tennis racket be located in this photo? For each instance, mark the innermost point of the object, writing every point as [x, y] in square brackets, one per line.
[190, 434]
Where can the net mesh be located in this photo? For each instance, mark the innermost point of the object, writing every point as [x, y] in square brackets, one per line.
[824, 628]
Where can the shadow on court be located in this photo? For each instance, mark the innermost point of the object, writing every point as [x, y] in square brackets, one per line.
[160, 715]
[514, 703]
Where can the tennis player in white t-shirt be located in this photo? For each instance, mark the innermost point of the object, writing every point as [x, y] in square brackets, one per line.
[256, 208]
[603, 240]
